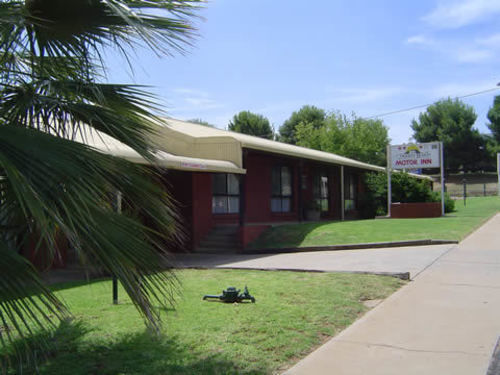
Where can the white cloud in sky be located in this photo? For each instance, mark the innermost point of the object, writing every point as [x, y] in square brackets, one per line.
[492, 41]
[462, 50]
[473, 55]
[459, 89]
[456, 14]
[360, 95]
[421, 40]
[192, 101]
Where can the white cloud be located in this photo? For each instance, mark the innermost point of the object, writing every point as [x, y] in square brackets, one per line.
[361, 95]
[192, 101]
[471, 51]
[420, 40]
[459, 89]
[473, 55]
[493, 41]
[455, 14]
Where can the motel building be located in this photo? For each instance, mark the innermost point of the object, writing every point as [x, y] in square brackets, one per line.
[230, 187]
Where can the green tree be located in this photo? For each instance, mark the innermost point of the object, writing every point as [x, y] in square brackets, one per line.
[494, 117]
[451, 122]
[199, 121]
[357, 138]
[250, 123]
[50, 184]
[310, 116]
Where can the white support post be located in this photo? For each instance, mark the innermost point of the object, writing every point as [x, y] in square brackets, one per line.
[118, 203]
[441, 161]
[498, 172]
[118, 209]
[342, 202]
[389, 185]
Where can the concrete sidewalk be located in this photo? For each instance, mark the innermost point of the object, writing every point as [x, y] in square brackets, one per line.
[394, 261]
[447, 321]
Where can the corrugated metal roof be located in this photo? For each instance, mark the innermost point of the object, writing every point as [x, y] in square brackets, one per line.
[192, 147]
[215, 140]
[111, 146]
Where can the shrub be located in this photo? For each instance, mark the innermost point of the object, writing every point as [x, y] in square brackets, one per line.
[449, 204]
[405, 189]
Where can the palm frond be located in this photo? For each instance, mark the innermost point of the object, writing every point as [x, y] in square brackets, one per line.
[76, 203]
[79, 29]
[65, 108]
[27, 307]
[50, 185]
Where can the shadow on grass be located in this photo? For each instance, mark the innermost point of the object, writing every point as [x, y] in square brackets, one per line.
[286, 236]
[67, 352]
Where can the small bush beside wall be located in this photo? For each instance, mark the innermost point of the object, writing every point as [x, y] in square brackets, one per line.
[405, 189]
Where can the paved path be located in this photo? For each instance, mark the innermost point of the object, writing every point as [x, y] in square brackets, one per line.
[446, 321]
[391, 260]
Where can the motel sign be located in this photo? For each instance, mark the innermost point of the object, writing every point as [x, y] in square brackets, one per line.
[415, 156]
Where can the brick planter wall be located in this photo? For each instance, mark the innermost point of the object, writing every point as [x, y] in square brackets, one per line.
[415, 210]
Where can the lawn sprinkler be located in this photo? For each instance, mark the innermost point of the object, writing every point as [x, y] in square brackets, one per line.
[231, 295]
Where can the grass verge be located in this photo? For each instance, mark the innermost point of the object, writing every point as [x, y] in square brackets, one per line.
[294, 313]
[454, 226]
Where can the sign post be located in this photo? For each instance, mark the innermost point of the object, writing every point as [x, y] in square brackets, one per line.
[416, 156]
[441, 162]
[389, 184]
[498, 172]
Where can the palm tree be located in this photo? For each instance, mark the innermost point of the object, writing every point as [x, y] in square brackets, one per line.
[52, 93]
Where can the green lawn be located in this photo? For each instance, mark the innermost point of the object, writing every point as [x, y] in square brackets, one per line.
[294, 313]
[454, 226]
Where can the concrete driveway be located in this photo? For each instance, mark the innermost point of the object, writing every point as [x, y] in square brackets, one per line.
[444, 322]
[412, 260]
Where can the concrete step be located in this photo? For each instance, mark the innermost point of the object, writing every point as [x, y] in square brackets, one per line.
[221, 239]
[225, 229]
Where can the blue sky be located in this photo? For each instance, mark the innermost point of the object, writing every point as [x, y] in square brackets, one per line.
[367, 57]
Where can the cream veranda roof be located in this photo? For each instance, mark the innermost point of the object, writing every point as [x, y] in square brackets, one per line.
[193, 147]
[204, 141]
[185, 138]
[109, 145]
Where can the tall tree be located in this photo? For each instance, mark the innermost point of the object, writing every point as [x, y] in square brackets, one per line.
[250, 123]
[357, 138]
[308, 115]
[451, 122]
[200, 121]
[494, 117]
[51, 185]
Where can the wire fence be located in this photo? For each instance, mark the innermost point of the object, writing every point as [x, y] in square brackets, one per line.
[473, 189]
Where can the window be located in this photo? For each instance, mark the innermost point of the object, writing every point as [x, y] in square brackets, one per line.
[350, 189]
[225, 194]
[320, 191]
[281, 189]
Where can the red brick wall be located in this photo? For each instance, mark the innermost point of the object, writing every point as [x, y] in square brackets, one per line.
[415, 210]
[202, 206]
[258, 193]
[179, 184]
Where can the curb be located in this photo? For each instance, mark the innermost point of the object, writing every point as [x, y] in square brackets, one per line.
[399, 275]
[360, 246]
